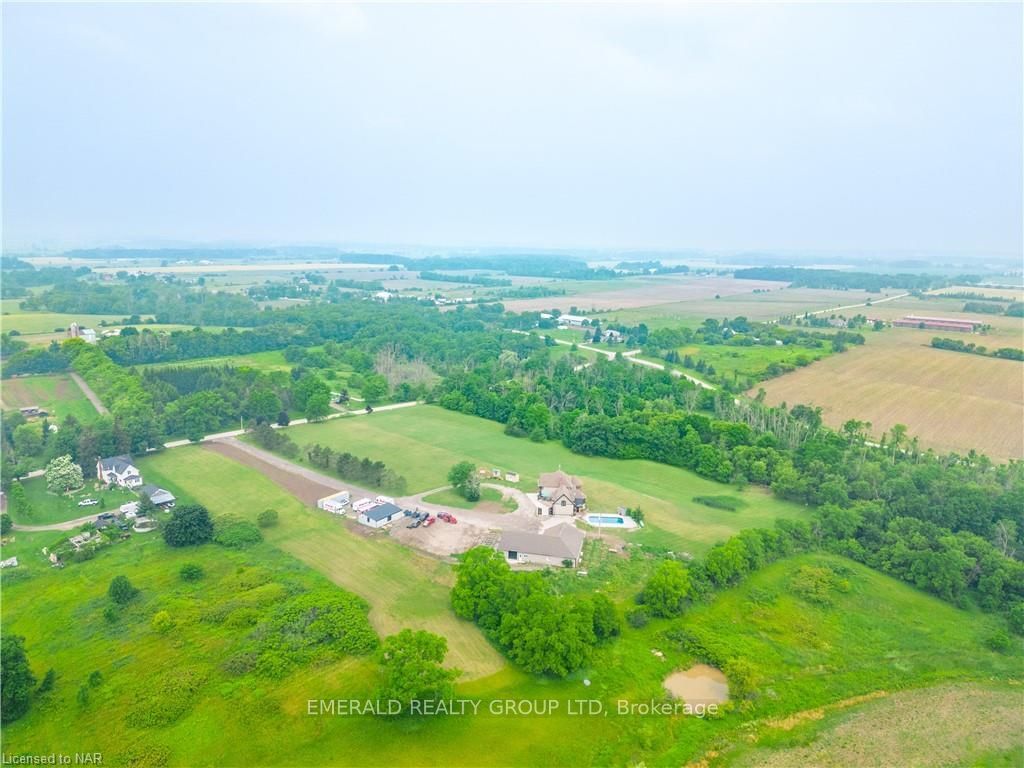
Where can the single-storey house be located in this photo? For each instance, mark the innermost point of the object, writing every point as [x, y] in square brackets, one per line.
[559, 493]
[119, 470]
[611, 336]
[511, 477]
[10, 562]
[379, 515]
[558, 545]
[32, 411]
[335, 503]
[159, 496]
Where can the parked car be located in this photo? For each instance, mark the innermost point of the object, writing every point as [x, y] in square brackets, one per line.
[416, 523]
[105, 516]
[442, 515]
[451, 519]
[430, 521]
[408, 512]
[88, 502]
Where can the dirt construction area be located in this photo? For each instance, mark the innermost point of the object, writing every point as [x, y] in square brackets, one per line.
[443, 539]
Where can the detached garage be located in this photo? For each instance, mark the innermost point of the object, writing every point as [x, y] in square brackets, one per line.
[557, 546]
[380, 515]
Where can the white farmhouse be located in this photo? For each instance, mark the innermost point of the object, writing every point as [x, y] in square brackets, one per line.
[119, 470]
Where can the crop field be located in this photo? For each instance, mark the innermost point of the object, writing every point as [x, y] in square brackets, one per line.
[1005, 332]
[631, 292]
[773, 302]
[950, 401]
[57, 394]
[423, 443]
[1010, 294]
[404, 588]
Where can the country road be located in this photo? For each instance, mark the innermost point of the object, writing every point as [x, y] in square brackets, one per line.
[864, 304]
[93, 398]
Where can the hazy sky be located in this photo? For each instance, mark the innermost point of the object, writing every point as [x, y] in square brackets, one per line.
[789, 127]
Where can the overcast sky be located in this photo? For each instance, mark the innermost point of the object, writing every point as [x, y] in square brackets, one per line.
[795, 126]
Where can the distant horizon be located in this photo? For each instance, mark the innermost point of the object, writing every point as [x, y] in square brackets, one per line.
[882, 128]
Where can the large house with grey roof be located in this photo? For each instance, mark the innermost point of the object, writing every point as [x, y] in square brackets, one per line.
[559, 545]
[559, 493]
[119, 470]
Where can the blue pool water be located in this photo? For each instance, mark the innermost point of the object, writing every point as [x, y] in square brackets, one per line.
[605, 520]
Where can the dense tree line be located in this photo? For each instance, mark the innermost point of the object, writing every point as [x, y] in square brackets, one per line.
[365, 471]
[541, 631]
[20, 275]
[801, 277]
[170, 301]
[485, 280]
[959, 345]
[613, 409]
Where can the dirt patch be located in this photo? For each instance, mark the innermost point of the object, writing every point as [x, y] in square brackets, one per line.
[302, 488]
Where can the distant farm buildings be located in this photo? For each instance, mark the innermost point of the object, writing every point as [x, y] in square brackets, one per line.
[88, 335]
[938, 323]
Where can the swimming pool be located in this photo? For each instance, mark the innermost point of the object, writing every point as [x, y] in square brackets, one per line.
[611, 521]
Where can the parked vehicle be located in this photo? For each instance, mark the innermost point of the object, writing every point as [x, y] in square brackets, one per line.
[451, 519]
[416, 523]
[430, 521]
[88, 502]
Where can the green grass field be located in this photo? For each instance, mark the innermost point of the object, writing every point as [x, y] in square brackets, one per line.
[52, 508]
[403, 587]
[490, 497]
[272, 360]
[423, 443]
[880, 636]
[57, 394]
[47, 322]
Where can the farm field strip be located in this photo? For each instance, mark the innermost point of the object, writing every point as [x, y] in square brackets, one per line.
[949, 400]
[58, 394]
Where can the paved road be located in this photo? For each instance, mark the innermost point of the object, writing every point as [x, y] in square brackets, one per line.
[864, 304]
[87, 390]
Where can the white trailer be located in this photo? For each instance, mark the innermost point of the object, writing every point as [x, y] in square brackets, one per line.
[335, 504]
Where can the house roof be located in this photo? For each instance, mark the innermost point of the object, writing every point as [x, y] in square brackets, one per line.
[117, 463]
[156, 494]
[381, 512]
[564, 541]
[559, 479]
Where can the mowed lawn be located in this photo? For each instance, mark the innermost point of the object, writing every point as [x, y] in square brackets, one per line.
[950, 401]
[422, 444]
[50, 508]
[404, 587]
[58, 395]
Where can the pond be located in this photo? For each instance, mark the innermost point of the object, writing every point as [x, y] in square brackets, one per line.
[700, 684]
